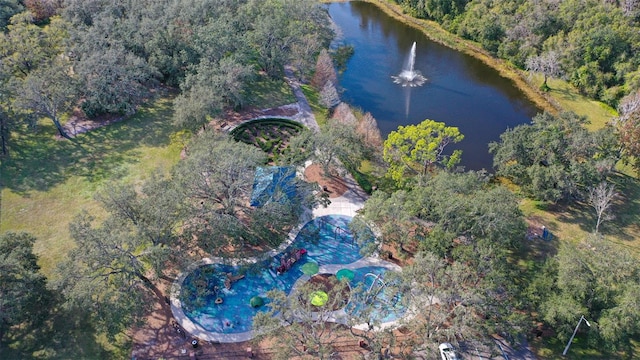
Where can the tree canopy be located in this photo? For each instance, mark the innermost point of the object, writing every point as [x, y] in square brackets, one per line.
[415, 149]
[466, 220]
[23, 293]
[593, 42]
[594, 279]
[555, 157]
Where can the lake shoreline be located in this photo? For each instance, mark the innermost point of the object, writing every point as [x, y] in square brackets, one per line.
[437, 34]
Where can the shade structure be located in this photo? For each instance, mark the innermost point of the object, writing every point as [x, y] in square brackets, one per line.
[310, 268]
[347, 274]
[319, 298]
[256, 301]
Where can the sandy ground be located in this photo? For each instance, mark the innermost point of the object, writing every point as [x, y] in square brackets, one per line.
[334, 185]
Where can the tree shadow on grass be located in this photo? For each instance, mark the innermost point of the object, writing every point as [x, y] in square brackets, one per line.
[625, 225]
[64, 335]
[575, 213]
[38, 161]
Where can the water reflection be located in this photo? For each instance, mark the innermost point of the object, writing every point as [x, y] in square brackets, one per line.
[461, 91]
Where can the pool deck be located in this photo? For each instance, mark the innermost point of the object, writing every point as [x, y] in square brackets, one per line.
[348, 204]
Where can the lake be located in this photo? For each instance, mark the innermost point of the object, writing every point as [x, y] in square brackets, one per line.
[460, 90]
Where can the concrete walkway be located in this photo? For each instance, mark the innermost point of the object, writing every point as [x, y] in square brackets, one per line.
[348, 204]
[305, 115]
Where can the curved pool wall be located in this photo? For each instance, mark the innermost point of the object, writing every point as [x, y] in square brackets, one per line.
[328, 242]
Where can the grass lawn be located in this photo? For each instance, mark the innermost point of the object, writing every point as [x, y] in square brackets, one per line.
[269, 93]
[319, 111]
[598, 113]
[46, 182]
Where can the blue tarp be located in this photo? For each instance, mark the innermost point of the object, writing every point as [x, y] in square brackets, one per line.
[273, 183]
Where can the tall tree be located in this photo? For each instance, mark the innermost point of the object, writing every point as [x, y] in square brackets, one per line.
[547, 64]
[627, 127]
[452, 302]
[599, 281]
[216, 180]
[114, 81]
[207, 91]
[415, 149]
[8, 8]
[325, 71]
[338, 144]
[24, 297]
[368, 128]
[601, 198]
[26, 46]
[49, 92]
[300, 327]
[110, 272]
[275, 26]
[555, 157]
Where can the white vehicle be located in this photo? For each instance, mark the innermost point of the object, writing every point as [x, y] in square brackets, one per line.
[447, 352]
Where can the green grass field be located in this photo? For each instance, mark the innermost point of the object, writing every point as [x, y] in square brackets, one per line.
[563, 93]
[46, 182]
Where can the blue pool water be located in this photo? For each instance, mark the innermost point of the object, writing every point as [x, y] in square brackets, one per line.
[327, 240]
[374, 288]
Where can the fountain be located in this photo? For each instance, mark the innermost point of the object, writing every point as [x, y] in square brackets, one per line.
[409, 76]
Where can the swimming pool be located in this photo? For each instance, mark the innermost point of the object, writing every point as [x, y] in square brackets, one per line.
[327, 241]
[376, 289]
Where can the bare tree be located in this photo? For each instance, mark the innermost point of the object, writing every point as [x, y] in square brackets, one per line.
[548, 64]
[324, 70]
[600, 198]
[630, 7]
[628, 105]
[329, 96]
[343, 114]
[368, 128]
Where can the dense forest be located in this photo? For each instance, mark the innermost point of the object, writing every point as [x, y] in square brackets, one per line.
[593, 44]
[120, 51]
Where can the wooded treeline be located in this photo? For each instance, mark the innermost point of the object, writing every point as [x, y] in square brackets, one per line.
[594, 43]
[107, 56]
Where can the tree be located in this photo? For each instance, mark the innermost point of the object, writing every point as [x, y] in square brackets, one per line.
[325, 71]
[300, 327]
[42, 9]
[49, 92]
[26, 46]
[109, 272]
[600, 199]
[151, 209]
[8, 8]
[216, 181]
[554, 158]
[598, 280]
[450, 299]
[627, 127]
[338, 145]
[209, 89]
[368, 128]
[114, 81]
[24, 297]
[414, 149]
[275, 26]
[329, 96]
[548, 64]
[446, 210]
